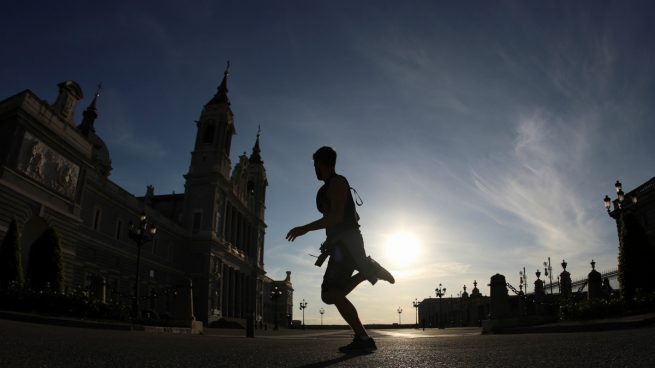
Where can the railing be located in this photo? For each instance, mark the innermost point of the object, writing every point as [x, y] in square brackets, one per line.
[513, 289]
[580, 284]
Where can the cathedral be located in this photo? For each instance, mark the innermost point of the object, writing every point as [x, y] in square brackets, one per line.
[206, 259]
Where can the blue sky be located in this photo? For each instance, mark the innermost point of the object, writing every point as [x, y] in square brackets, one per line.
[486, 131]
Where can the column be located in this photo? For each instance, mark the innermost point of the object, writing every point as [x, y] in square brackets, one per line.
[235, 220]
[233, 283]
[224, 219]
[222, 283]
[226, 291]
[239, 289]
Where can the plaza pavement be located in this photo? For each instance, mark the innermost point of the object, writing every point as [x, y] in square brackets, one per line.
[625, 322]
[619, 344]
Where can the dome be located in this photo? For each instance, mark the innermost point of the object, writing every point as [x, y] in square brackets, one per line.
[100, 154]
[73, 87]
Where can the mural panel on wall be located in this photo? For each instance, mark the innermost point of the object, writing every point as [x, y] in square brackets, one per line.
[47, 166]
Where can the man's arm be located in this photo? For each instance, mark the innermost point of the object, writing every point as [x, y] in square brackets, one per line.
[337, 195]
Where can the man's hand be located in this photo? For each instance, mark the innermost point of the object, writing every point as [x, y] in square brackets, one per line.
[296, 232]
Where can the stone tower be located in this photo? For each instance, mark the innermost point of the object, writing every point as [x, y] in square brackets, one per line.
[256, 188]
[223, 213]
[208, 178]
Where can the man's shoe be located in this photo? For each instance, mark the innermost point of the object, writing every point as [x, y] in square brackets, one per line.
[382, 272]
[359, 346]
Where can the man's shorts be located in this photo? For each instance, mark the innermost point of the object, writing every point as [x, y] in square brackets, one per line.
[344, 261]
[339, 269]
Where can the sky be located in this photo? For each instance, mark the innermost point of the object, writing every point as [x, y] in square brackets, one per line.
[482, 136]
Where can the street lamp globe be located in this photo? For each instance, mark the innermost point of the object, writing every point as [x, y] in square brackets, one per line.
[608, 203]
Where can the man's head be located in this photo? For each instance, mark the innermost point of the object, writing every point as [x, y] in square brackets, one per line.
[325, 158]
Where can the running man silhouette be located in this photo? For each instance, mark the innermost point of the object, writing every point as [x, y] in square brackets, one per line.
[344, 245]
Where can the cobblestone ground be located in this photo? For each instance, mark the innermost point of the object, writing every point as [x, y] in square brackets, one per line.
[35, 345]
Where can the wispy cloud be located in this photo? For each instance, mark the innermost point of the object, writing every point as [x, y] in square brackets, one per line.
[117, 126]
[137, 145]
[536, 185]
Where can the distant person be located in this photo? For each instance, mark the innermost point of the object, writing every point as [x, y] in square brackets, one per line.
[344, 245]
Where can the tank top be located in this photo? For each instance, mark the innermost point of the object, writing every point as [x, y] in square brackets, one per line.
[350, 216]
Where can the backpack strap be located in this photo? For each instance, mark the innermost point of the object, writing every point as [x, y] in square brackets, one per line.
[358, 199]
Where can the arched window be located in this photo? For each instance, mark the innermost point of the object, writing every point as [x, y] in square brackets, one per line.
[208, 136]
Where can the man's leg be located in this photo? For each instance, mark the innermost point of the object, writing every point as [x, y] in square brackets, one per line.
[355, 280]
[362, 343]
[365, 264]
[345, 308]
[337, 283]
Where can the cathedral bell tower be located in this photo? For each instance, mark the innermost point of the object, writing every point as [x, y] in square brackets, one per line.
[256, 186]
[208, 179]
[211, 153]
[257, 182]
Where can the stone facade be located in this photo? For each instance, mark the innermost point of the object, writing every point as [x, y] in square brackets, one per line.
[641, 202]
[464, 310]
[54, 173]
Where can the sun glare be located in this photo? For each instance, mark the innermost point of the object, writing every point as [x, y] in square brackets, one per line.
[402, 248]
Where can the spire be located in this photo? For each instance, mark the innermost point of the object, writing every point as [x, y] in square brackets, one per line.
[90, 115]
[221, 95]
[255, 157]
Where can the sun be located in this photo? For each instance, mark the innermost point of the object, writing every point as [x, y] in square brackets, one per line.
[402, 248]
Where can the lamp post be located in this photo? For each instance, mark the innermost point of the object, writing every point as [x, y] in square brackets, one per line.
[141, 234]
[275, 294]
[400, 311]
[620, 196]
[415, 304]
[303, 305]
[548, 271]
[440, 291]
[322, 312]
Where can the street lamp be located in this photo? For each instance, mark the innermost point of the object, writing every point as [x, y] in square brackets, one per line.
[619, 191]
[608, 203]
[399, 310]
[322, 312]
[303, 305]
[440, 291]
[620, 196]
[415, 304]
[548, 271]
[275, 294]
[141, 234]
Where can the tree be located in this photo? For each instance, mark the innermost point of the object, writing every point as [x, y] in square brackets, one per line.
[11, 267]
[45, 269]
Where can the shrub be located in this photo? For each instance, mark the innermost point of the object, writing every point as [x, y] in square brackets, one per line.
[76, 304]
[592, 309]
